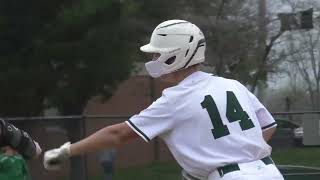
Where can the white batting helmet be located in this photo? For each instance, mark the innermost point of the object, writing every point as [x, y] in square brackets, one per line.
[179, 44]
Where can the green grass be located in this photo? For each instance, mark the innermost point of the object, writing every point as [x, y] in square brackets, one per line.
[153, 171]
[303, 156]
[171, 171]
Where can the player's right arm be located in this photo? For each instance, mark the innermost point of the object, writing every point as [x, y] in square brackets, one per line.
[267, 134]
[266, 120]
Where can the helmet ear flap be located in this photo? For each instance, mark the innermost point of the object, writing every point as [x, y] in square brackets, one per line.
[170, 60]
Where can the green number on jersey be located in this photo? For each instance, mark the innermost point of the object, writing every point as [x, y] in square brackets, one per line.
[234, 113]
[220, 129]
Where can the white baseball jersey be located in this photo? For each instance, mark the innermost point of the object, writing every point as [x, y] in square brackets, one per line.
[207, 122]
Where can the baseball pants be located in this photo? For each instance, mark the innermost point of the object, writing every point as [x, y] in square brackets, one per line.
[263, 169]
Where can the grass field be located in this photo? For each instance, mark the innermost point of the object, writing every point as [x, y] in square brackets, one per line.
[171, 171]
[155, 171]
[304, 156]
[307, 156]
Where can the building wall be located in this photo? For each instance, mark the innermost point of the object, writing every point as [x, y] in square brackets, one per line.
[132, 96]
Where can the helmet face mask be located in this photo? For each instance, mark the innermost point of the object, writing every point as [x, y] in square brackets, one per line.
[155, 56]
[152, 56]
[180, 45]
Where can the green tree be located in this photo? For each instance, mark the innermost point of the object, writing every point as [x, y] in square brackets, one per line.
[74, 52]
[231, 32]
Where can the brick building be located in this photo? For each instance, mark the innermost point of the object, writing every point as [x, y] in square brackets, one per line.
[132, 96]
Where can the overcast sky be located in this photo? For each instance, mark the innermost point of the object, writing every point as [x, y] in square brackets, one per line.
[281, 6]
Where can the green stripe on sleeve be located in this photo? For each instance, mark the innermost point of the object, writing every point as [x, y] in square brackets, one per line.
[138, 130]
[270, 125]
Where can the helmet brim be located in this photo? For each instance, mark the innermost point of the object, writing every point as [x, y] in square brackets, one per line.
[148, 48]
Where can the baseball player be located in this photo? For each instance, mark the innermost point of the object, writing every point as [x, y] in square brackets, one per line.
[14, 140]
[214, 127]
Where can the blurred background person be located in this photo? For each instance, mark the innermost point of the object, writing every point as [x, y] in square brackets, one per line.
[106, 160]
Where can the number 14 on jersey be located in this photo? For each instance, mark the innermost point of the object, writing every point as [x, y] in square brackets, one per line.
[234, 112]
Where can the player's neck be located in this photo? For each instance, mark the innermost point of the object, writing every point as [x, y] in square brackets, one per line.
[187, 72]
[176, 77]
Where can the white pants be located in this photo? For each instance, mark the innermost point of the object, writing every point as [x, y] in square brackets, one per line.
[255, 170]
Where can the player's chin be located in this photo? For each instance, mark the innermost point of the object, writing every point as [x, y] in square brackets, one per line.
[167, 78]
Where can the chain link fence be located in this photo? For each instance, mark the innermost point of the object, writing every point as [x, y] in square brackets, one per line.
[296, 131]
[52, 132]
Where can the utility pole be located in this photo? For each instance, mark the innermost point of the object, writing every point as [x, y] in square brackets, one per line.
[262, 36]
[262, 21]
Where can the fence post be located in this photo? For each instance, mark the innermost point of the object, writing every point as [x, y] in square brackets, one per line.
[152, 98]
[288, 106]
[78, 165]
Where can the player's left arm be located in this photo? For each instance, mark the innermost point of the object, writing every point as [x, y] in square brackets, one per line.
[149, 123]
[109, 137]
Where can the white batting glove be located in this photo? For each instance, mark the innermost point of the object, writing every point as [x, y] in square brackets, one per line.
[54, 158]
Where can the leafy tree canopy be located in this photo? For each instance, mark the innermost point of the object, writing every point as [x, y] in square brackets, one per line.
[59, 54]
